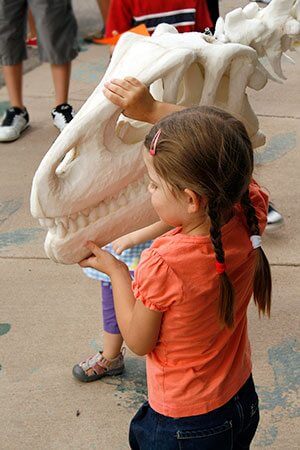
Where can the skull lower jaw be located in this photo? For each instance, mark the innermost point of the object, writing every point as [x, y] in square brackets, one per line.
[71, 249]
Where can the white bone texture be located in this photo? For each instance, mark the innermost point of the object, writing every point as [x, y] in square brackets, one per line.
[92, 183]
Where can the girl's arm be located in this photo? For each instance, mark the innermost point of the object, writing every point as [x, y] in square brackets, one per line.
[139, 236]
[139, 325]
[136, 101]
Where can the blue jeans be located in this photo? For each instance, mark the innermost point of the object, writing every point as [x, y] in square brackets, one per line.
[230, 427]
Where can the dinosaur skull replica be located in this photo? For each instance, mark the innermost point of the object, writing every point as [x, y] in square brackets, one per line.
[270, 31]
[92, 183]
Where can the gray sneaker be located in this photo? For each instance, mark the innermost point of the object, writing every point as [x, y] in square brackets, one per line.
[98, 366]
[14, 122]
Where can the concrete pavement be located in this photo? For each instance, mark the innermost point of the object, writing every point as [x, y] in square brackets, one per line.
[50, 314]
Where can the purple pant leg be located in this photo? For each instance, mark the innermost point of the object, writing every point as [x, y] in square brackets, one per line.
[110, 324]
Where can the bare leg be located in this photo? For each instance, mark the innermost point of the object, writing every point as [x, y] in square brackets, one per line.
[31, 25]
[104, 7]
[112, 344]
[13, 80]
[61, 79]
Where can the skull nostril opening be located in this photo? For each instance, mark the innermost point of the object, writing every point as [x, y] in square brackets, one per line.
[65, 162]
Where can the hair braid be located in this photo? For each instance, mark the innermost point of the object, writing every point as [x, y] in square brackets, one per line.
[250, 213]
[226, 296]
[215, 231]
[262, 285]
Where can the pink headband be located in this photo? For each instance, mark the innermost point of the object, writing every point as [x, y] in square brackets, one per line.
[154, 141]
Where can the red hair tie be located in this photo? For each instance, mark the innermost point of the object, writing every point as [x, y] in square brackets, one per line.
[154, 141]
[220, 267]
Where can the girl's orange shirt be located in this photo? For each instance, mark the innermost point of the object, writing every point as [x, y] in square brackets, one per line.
[198, 365]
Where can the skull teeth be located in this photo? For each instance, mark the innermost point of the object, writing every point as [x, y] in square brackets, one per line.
[42, 223]
[82, 221]
[93, 216]
[122, 201]
[61, 226]
[49, 222]
[112, 206]
[61, 231]
[86, 212]
[72, 226]
[102, 210]
[65, 222]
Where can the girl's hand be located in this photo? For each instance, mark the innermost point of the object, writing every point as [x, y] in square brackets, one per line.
[123, 243]
[132, 96]
[101, 260]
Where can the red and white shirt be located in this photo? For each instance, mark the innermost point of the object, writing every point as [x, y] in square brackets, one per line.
[185, 15]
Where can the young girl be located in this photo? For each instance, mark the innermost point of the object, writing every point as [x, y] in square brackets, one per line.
[187, 307]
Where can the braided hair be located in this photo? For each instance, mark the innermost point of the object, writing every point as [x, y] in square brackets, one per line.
[226, 296]
[209, 152]
[262, 287]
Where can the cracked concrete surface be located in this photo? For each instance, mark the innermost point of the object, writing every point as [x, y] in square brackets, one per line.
[50, 314]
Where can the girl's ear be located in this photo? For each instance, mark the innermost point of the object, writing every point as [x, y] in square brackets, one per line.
[193, 201]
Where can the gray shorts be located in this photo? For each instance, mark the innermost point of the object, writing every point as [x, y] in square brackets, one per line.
[56, 30]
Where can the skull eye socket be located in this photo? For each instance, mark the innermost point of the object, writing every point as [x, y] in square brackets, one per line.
[66, 161]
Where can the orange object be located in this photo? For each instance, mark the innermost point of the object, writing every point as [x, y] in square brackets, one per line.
[197, 364]
[140, 29]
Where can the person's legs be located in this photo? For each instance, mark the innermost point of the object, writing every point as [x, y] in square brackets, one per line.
[143, 429]
[62, 113]
[112, 338]
[247, 413]
[13, 14]
[12, 47]
[149, 429]
[61, 79]
[57, 42]
[31, 26]
[110, 361]
[56, 30]
[112, 344]
[103, 7]
[230, 427]
[13, 76]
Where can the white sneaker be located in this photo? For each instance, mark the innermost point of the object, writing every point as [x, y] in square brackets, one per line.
[275, 219]
[62, 115]
[14, 122]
